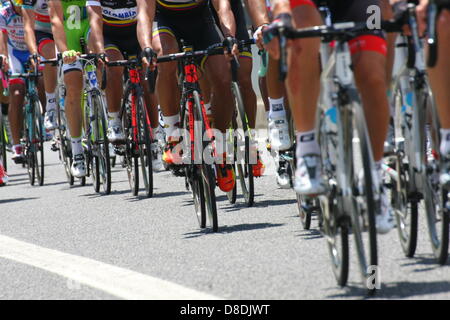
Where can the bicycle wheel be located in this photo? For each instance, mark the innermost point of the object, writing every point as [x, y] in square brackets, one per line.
[334, 222]
[29, 130]
[404, 203]
[435, 196]
[130, 158]
[3, 134]
[38, 143]
[65, 152]
[145, 146]
[232, 195]
[207, 171]
[366, 189]
[244, 167]
[101, 143]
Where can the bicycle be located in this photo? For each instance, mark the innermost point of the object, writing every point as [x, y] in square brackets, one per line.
[137, 128]
[33, 127]
[241, 139]
[95, 140]
[352, 199]
[197, 162]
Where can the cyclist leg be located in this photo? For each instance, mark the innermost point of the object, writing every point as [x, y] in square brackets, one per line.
[387, 13]
[369, 53]
[16, 101]
[303, 85]
[165, 42]
[114, 93]
[46, 48]
[73, 79]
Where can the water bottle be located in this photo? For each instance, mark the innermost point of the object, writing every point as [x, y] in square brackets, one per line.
[331, 129]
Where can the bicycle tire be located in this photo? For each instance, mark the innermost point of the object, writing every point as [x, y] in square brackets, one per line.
[65, 152]
[207, 172]
[335, 230]
[131, 160]
[232, 195]
[406, 209]
[435, 196]
[30, 157]
[39, 142]
[245, 168]
[359, 127]
[101, 143]
[3, 143]
[145, 146]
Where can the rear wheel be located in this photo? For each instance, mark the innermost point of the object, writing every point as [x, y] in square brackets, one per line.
[244, 164]
[366, 189]
[145, 147]
[101, 144]
[39, 142]
[131, 159]
[3, 135]
[207, 171]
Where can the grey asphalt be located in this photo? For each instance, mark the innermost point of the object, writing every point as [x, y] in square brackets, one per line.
[259, 253]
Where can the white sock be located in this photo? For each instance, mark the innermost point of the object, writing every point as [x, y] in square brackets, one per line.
[51, 101]
[77, 148]
[445, 142]
[113, 117]
[171, 126]
[307, 143]
[277, 108]
[208, 109]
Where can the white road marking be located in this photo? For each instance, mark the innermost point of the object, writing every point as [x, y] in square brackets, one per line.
[119, 282]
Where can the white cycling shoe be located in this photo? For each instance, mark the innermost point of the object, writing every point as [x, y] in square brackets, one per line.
[50, 120]
[115, 133]
[384, 220]
[308, 176]
[279, 134]
[78, 168]
[157, 163]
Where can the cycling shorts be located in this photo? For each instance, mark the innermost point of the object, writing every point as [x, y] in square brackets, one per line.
[195, 26]
[17, 61]
[122, 39]
[42, 39]
[74, 34]
[355, 11]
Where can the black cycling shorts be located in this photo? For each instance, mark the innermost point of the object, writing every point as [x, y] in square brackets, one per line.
[123, 39]
[42, 38]
[196, 27]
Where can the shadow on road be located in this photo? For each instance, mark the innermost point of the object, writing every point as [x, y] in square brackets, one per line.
[234, 228]
[423, 263]
[395, 290]
[3, 201]
[311, 234]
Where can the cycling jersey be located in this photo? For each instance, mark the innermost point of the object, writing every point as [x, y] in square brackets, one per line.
[12, 24]
[118, 13]
[179, 5]
[76, 27]
[41, 14]
[119, 25]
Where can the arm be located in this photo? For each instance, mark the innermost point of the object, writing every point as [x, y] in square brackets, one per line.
[96, 23]
[258, 12]
[226, 17]
[56, 19]
[4, 48]
[146, 14]
[28, 25]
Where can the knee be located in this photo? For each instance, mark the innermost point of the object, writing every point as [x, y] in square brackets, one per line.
[16, 90]
[48, 51]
